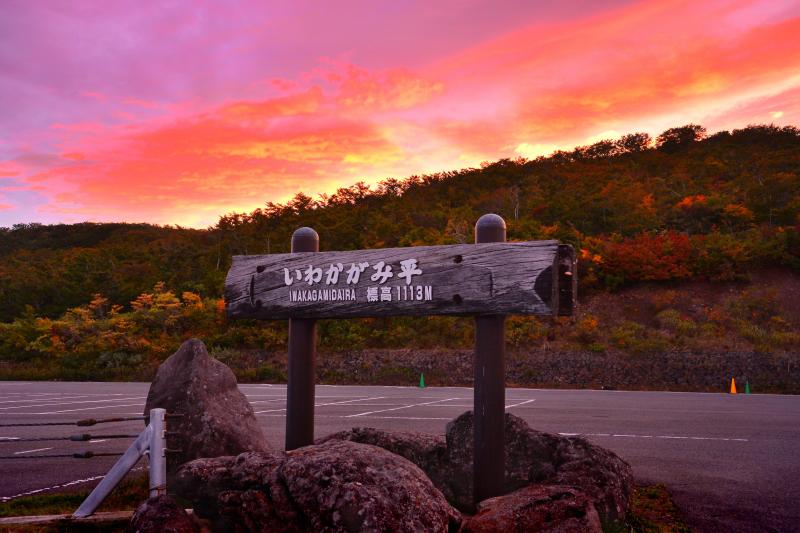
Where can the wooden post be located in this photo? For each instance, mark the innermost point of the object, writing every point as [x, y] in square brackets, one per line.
[490, 394]
[302, 362]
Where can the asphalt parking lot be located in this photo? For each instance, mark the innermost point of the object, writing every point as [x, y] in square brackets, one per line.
[730, 461]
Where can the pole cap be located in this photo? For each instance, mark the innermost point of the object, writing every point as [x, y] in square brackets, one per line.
[490, 228]
[305, 239]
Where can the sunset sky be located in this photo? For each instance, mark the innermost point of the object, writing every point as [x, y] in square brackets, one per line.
[178, 112]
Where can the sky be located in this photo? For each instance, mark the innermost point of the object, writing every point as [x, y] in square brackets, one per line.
[177, 112]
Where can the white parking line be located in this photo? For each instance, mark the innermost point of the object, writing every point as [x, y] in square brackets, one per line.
[666, 437]
[324, 404]
[4, 499]
[33, 399]
[401, 407]
[31, 451]
[450, 405]
[36, 406]
[88, 408]
[520, 403]
[367, 417]
[407, 417]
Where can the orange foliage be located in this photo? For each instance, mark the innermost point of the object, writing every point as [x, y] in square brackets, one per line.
[691, 201]
[647, 256]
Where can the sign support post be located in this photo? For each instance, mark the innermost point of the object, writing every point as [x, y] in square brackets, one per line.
[489, 385]
[487, 280]
[302, 362]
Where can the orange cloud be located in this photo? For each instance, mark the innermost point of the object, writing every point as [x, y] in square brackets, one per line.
[304, 103]
[564, 82]
[390, 89]
[643, 67]
[192, 168]
[73, 156]
[196, 168]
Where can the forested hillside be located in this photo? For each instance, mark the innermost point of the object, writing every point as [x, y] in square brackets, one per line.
[684, 207]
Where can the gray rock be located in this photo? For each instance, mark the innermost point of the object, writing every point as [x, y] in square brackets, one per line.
[217, 418]
[599, 473]
[346, 486]
[333, 486]
[544, 508]
[426, 451]
[535, 457]
[243, 493]
[161, 514]
[532, 457]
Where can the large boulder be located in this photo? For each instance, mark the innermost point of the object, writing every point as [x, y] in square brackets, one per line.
[242, 493]
[348, 486]
[544, 508]
[599, 473]
[532, 458]
[535, 457]
[203, 480]
[333, 486]
[217, 418]
[161, 514]
[428, 452]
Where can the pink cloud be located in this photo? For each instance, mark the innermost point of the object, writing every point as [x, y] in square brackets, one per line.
[9, 169]
[219, 111]
[142, 103]
[94, 95]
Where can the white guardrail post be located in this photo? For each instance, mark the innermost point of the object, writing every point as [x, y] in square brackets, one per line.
[151, 440]
[158, 453]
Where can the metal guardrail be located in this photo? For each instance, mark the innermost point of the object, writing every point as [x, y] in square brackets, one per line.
[150, 442]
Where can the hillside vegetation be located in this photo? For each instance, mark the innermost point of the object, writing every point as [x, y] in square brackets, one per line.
[660, 216]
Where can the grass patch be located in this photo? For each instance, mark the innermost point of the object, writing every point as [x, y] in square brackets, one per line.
[652, 511]
[127, 496]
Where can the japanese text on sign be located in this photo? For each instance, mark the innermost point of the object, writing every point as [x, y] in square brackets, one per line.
[379, 273]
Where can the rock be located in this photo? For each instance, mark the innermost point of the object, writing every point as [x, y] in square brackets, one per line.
[426, 451]
[532, 457]
[243, 493]
[545, 508]
[537, 457]
[333, 486]
[252, 510]
[599, 473]
[161, 514]
[419, 448]
[347, 486]
[217, 418]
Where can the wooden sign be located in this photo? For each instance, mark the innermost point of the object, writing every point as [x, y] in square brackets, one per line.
[533, 278]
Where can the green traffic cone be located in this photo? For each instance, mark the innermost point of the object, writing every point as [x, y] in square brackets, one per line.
[421, 381]
[747, 387]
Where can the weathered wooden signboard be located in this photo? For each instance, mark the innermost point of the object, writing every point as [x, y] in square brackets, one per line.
[489, 279]
[493, 278]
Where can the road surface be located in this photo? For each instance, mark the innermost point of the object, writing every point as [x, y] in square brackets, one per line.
[731, 462]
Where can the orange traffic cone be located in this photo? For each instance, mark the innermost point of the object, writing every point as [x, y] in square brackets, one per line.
[733, 385]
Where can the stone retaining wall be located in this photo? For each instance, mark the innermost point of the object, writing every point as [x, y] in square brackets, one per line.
[674, 371]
